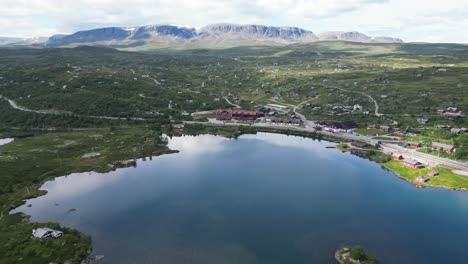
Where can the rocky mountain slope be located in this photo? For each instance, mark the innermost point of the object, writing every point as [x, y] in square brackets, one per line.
[211, 36]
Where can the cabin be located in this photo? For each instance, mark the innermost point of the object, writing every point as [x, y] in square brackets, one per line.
[433, 173]
[386, 128]
[443, 147]
[422, 120]
[452, 112]
[44, 232]
[415, 144]
[410, 163]
[422, 179]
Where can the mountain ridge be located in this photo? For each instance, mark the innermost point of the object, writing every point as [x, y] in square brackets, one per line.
[221, 35]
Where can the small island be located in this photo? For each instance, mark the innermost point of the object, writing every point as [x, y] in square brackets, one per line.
[354, 255]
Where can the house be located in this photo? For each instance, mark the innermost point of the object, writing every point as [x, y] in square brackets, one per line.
[422, 120]
[444, 147]
[180, 128]
[422, 179]
[397, 156]
[357, 107]
[458, 131]
[386, 128]
[411, 132]
[452, 112]
[415, 144]
[44, 232]
[433, 173]
[410, 163]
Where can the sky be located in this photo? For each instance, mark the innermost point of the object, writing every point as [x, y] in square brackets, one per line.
[411, 20]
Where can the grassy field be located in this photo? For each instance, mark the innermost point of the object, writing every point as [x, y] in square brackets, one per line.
[446, 179]
[26, 163]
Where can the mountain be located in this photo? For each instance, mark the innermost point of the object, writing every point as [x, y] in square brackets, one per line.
[23, 41]
[355, 37]
[211, 36]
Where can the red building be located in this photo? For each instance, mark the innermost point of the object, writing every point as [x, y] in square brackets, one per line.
[397, 157]
[237, 114]
[415, 144]
[410, 163]
[445, 147]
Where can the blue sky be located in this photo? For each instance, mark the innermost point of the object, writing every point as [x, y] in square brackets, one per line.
[411, 20]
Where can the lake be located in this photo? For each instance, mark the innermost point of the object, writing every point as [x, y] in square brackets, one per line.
[263, 198]
[4, 141]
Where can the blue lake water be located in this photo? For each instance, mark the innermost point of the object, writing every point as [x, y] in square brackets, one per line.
[262, 198]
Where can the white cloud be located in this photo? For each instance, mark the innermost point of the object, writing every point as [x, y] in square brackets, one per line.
[413, 20]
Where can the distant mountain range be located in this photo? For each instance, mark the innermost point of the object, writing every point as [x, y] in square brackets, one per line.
[211, 36]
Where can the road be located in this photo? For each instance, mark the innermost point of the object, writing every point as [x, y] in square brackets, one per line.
[14, 105]
[229, 102]
[428, 159]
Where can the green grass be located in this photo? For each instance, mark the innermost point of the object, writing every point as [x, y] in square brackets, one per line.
[446, 179]
[27, 162]
[367, 132]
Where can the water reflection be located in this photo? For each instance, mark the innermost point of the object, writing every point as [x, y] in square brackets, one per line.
[4, 141]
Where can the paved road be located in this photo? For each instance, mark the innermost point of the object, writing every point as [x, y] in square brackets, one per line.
[14, 105]
[425, 158]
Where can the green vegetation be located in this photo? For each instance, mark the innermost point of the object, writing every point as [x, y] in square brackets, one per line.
[114, 103]
[369, 132]
[343, 147]
[26, 163]
[355, 255]
[446, 178]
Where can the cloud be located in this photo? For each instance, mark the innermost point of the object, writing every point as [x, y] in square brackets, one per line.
[401, 18]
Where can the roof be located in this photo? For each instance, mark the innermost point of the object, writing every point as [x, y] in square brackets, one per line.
[411, 161]
[442, 145]
[424, 178]
[41, 232]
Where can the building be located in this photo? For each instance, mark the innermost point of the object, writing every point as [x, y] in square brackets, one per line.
[415, 144]
[237, 114]
[422, 120]
[386, 128]
[357, 107]
[397, 156]
[443, 147]
[422, 179]
[411, 132]
[458, 131]
[44, 232]
[410, 163]
[433, 173]
[342, 126]
[452, 112]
